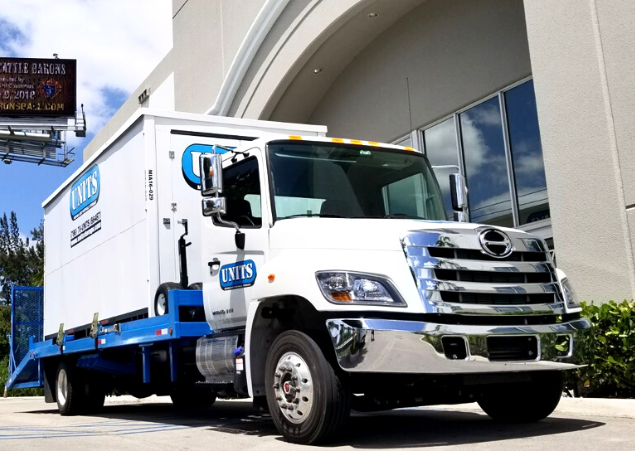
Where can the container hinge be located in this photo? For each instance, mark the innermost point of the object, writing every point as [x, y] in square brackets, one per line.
[173, 206]
[106, 330]
[171, 154]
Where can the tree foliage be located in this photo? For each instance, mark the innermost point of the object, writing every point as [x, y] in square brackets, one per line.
[21, 260]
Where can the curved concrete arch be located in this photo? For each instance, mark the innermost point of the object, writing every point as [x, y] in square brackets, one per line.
[311, 34]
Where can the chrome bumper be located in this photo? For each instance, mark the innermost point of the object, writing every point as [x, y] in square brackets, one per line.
[395, 346]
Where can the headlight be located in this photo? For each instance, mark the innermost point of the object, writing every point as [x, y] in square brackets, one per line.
[568, 293]
[343, 287]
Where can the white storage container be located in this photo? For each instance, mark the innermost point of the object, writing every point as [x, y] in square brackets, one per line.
[111, 230]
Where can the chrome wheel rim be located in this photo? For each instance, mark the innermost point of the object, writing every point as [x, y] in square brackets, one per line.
[161, 304]
[62, 387]
[293, 388]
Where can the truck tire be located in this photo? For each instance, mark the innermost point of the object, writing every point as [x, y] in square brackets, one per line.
[308, 400]
[69, 389]
[195, 286]
[161, 297]
[524, 403]
[192, 397]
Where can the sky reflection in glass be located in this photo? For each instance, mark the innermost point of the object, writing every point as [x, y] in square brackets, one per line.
[485, 164]
[441, 150]
[529, 169]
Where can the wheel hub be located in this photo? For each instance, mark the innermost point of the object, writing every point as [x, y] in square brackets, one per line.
[293, 387]
[62, 388]
[161, 304]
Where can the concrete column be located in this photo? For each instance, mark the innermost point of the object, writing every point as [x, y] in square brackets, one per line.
[582, 57]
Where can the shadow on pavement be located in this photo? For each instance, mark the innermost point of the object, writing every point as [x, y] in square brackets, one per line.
[406, 428]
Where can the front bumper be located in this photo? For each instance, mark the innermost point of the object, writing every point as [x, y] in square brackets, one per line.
[414, 347]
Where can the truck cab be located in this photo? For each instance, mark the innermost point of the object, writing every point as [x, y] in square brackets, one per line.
[335, 282]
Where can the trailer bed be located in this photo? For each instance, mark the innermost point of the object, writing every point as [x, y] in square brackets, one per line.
[183, 322]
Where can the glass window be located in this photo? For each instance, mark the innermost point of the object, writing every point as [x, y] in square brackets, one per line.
[406, 197]
[254, 203]
[290, 206]
[442, 151]
[524, 137]
[241, 185]
[324, 180]
[486, 165]
[406, 141]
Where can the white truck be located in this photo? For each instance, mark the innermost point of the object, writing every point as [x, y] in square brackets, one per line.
[321, 277]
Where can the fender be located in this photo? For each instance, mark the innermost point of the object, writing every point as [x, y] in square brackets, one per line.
[293, 273]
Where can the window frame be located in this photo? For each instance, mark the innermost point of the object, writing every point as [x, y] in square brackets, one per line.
[500, 94]
[249, 156]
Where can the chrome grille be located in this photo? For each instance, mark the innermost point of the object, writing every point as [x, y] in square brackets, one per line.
[475, 254]
[454, 275]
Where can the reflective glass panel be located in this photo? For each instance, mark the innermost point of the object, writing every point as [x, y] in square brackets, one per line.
[442, 151]
[485, 164]
[405, 141]
[529, 168]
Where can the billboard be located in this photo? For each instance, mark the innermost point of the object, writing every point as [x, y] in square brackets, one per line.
[37, 87]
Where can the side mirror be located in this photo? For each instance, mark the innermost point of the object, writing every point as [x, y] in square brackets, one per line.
[458, 192]
[214, 205]
[211, 166]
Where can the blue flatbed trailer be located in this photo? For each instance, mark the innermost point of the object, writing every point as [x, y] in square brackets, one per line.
[181, 326]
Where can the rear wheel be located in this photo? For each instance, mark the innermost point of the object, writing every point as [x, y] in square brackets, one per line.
[161, 297]
[195, 286]
[308, 400]
[524, 403]
[69, 390]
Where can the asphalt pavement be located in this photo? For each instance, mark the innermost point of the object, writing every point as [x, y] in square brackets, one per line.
[127, 424]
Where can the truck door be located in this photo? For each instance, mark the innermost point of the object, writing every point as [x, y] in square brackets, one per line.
[232, 272]
[185, 200]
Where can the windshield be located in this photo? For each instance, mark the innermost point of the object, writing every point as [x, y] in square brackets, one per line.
[345, 181]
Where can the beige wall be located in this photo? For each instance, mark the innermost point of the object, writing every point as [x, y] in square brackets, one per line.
[452, 52]
[583, 69]
[207, 36]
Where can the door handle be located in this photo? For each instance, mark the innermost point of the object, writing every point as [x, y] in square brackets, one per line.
[214, 265]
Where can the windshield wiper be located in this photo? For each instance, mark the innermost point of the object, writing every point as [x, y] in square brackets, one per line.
[312, 215]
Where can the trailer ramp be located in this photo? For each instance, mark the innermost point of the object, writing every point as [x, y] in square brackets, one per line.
[27, 328]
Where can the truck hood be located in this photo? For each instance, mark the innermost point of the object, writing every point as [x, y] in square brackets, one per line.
[353, 234]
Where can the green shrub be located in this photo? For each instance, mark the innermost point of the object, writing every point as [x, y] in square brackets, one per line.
[611, 372]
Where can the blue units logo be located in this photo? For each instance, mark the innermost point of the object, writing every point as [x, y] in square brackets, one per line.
[85, 192]
[237, 275]
[189, 162]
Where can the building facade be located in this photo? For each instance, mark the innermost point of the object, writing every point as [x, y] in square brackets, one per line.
[533, 101]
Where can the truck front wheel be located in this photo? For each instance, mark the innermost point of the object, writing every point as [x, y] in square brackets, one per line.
[308, 400]
[524, 403]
